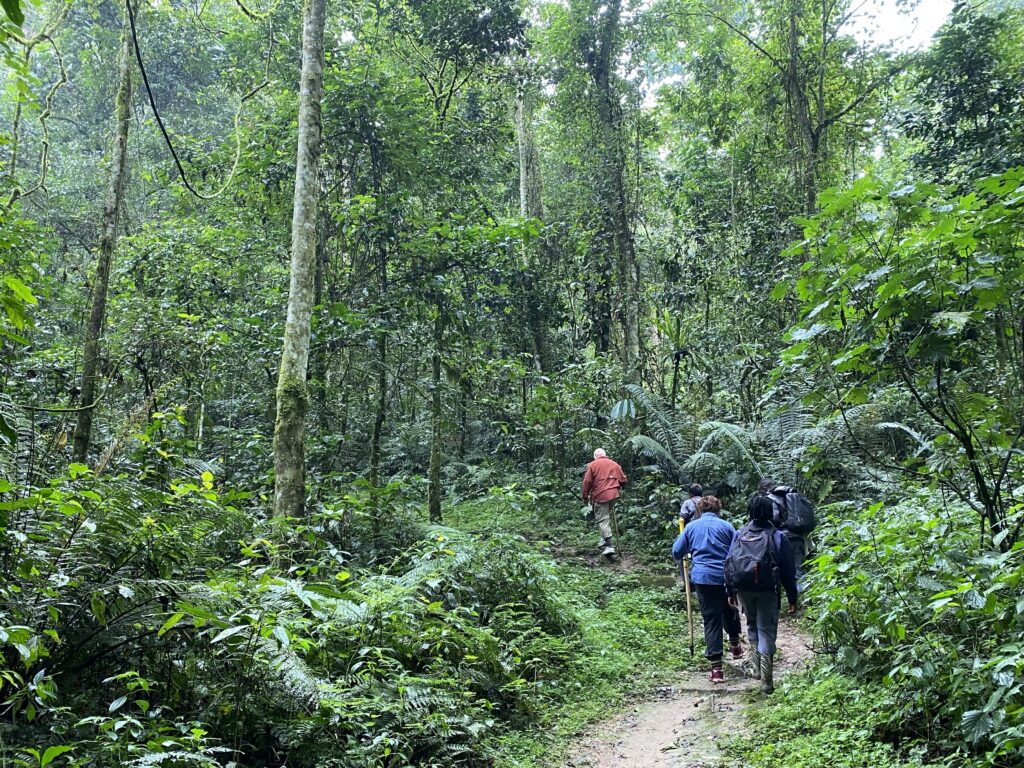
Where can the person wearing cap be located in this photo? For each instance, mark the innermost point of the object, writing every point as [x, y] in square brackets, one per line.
[601, 484]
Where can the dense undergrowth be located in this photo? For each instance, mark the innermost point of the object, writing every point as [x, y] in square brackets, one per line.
[919, 624]
[144, 627]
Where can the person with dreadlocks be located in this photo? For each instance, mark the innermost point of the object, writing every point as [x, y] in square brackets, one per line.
[759, 562]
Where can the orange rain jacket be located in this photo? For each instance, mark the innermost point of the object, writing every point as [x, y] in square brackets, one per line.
[602, 480]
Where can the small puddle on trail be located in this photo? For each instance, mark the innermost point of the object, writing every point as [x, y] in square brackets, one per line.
[655, 580]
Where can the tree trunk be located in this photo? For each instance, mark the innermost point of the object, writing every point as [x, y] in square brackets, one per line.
[382, 403]
[381, 337]
[434, 494]
[611, 185]
[795, 82]
[108, 243]
[531, 206]
[292, 393]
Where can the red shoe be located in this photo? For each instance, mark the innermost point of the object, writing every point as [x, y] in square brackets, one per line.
[736, 651]
[717, 676]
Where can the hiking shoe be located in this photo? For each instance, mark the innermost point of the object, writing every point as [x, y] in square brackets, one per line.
[608, 551]
[717, 675]
[767, 673]
[752, 666]
[736, 651]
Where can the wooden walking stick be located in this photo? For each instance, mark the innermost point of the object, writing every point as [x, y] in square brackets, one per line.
[684, 571]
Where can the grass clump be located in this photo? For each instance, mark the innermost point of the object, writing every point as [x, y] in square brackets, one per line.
[817, 719]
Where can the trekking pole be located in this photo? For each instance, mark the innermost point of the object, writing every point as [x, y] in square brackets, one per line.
[684, 571]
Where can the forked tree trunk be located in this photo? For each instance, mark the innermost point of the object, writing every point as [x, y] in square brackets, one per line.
[292, 393]
[108, 243]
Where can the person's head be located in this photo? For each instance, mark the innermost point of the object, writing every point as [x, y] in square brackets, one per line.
[765, 485]
[760, 509]
[600, 453]
[696, 490]
[709, 504]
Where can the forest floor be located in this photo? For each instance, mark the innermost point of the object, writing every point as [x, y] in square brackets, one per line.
[684, 725]
[643, 701]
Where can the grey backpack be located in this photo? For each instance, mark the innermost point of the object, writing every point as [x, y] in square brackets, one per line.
[752, 564]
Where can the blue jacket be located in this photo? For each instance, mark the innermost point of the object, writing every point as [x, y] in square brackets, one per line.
[784, 556]
[708, 539]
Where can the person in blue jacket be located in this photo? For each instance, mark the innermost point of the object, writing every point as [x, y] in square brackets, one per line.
[762, 607]
[708, 539]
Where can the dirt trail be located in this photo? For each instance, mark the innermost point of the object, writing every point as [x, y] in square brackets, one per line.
[681, 726]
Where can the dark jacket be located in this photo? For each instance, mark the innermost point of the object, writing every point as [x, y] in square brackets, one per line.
[784, 558]
[688, 509]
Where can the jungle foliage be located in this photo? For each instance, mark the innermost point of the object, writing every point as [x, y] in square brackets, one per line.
[723, 240]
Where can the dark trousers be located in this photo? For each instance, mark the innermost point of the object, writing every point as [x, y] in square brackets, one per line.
[717, 613]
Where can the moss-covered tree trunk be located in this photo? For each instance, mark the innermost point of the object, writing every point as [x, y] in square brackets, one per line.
[292, 393]
[107, 244]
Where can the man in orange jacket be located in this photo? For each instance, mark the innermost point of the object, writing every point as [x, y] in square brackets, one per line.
[601, 485]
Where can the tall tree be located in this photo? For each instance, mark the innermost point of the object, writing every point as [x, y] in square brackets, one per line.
[531, 206]
[600, 46]
[292, 392]
[107, 244]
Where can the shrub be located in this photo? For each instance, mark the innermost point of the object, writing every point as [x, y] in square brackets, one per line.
[906, 595]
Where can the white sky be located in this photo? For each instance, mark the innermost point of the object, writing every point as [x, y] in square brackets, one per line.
[881, 22]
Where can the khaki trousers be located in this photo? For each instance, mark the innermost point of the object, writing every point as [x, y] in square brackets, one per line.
[603, 516]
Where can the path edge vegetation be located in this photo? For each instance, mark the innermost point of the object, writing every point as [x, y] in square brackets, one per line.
[289, 473]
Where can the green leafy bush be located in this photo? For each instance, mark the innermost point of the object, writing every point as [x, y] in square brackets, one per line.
[904, 595]
[149, 627]
[830, 719]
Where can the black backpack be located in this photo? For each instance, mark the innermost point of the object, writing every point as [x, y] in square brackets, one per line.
[752, 564]
[799, 515]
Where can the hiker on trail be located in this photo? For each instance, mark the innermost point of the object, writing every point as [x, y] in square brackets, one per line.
[601, 484]
[688, 508]
[759, 561]
[796, 525]
[708, 539]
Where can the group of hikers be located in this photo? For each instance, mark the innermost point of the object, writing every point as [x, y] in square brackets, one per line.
[748, 569]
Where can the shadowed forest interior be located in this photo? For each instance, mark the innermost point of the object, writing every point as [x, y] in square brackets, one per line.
[313, 315]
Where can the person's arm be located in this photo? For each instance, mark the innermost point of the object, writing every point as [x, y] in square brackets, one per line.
[730, 590]
[787, 568]
[623, 480]
[682, 546]
[588, 481]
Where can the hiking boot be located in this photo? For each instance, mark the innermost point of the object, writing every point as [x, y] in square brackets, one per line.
[736, 651]
[606, 547]
[767, 673]
[752, 664]
[717, 675]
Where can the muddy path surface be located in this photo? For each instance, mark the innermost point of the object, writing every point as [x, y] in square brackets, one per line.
[682, 726]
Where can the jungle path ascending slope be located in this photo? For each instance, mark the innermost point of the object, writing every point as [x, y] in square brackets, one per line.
[682, 725]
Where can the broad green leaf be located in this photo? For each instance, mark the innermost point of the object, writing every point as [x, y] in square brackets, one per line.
[52, 753]
[171, 623]
[229, 632]
[13, 10]
[21, 290]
